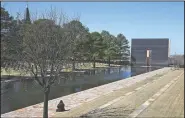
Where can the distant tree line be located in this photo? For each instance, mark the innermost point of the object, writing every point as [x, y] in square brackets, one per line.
[176, 60]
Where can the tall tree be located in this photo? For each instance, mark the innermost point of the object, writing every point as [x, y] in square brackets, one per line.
[6, 21]
[123, 52]
[96, 47]
[27, 16]
[9, 31]
[5, 26]
[110, 45]
[78, 34]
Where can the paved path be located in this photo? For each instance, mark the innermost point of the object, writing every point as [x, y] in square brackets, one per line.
[170, 104]
[139, 100]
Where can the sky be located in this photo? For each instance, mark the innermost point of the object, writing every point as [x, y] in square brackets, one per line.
[132, 19]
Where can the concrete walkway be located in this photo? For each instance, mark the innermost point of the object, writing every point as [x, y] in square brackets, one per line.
[169, 104]
[161, 96]
[76, 100]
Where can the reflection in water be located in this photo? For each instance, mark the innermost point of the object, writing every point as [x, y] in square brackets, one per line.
[17, 86]
[27, 92]
[77, 89]
[93, 72]
[108, 70]
[119, 70]
[148, 69]
[140, 70]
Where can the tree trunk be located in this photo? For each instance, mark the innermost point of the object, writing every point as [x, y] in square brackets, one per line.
[73, 68]
[94, 63]
[45, 108]
[109, 61]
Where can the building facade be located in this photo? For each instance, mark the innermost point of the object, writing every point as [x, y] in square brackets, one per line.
[159, 51]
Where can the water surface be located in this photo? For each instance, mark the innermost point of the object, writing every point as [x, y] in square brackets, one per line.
[25, 92]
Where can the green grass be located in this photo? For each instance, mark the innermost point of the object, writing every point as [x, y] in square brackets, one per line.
[13, 72]
[90, 65]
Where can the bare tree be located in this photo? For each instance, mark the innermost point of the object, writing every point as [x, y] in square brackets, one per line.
[45, 51]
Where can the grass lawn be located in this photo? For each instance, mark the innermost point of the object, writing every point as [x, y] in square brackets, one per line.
[90, 65]
[13, 72]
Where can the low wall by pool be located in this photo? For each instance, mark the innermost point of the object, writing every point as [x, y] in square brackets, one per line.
[76, 99]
